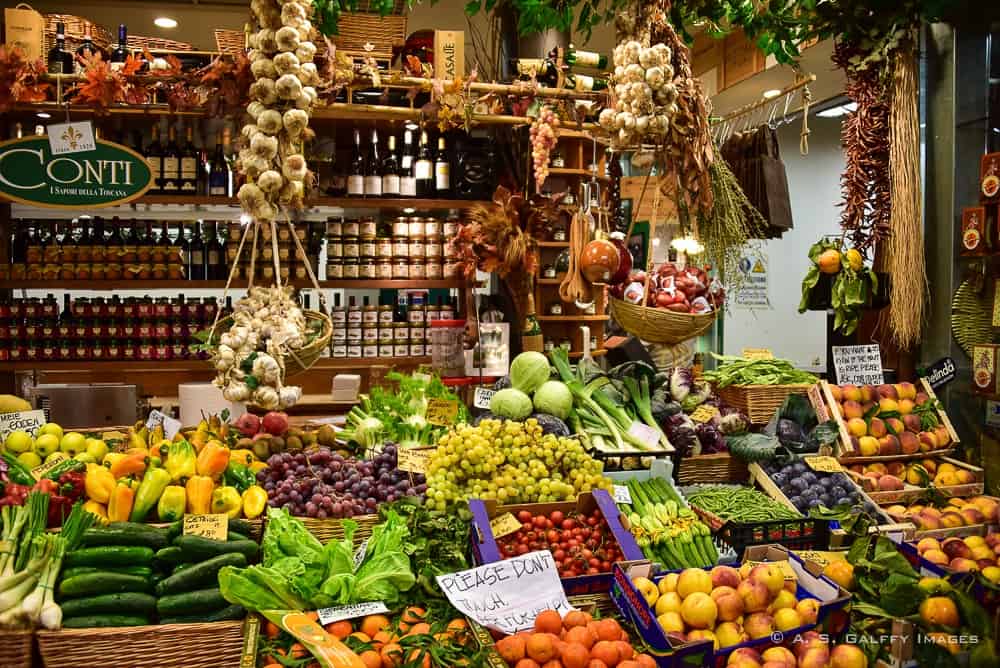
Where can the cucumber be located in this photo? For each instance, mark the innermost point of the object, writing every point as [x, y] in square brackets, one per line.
[169, 555]
[240, 526]
[222, 615]
[116, 555]
[126, 533]
[196, 548]
[233, 536]
[191, 603]
[92, 584]
[119, 604]
[139, 571]
[180, 567]
[175, 529]
[96, 621]
[200, 575]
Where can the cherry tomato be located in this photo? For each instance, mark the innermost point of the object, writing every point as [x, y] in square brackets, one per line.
[592, 521]
[552, 536]
[556, 517]
[522, 549]
[524, 516]
[559, 555]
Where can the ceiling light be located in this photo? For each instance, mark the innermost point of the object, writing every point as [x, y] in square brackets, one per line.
[43, 114]
[837, 111]
[165, 22]
[409, 209]
[774, 92]
[687, 245]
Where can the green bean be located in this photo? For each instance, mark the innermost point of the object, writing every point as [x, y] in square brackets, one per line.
[741, 504]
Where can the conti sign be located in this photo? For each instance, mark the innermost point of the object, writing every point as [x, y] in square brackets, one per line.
[108, 175]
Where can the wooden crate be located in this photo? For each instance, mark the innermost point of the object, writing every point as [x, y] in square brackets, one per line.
[914, 492]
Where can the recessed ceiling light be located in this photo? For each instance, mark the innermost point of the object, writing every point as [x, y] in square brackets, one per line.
[774, 92]
[43, 114]
[409, 209]
[165, 22]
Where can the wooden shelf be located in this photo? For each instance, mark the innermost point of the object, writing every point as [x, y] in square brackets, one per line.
[549, 281]
[573, 171]
[593, 353]
[553, 244]
[324, 363]
[572, 318]
[340, 202]
[350, 284]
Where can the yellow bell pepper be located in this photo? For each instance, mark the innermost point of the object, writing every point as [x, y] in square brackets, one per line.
[213, 459]
[122, 498]
[98, 509]
[129, 464]
[181, 460]
[254, 502]
[227, 500]
[256, 467]
[245, 457]
[98, 483]
[172, 503]
[199, 494]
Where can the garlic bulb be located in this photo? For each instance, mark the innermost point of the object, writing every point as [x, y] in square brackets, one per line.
[288, 87]
[287, 38]
[264, 146]
[250, 195]
[648, 58]
[631, 52]
[263, 91]
[269, 122]
[262, 68]
[308, 75]
[270, 181]
[266, 40]
[255, 109]
[305, 52]
[295, 121]
[294, 168]
[286, 63]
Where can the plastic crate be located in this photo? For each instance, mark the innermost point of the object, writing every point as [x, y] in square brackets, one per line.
[799, 534]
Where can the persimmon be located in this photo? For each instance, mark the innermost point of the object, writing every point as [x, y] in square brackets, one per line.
[629, 664]
[554, 663]
[382, 638]
[625, 650]
[596, 663]
[421, 655]
[372, 624]
[548, 621]
[371, 659]
[527, 663]
[412, 615]
[361, 637]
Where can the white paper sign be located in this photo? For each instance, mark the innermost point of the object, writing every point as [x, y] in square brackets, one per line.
[71, 137]
[858, 365]
[28, 421]
[170, 425]
[482, 397]
[644, 433]
[507, 595]
[331, 615]
[621, 494]
[359, 554]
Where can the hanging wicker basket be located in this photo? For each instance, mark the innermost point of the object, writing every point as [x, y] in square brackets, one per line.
[303, 358]
[659, 325]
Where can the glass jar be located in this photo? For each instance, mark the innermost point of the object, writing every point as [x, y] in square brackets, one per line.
[384, 269]
[400, 227]
[450, 226]
[417, 331]
[367, 227]
[447, 352]
[417, 269]
[548, 271]
[369, 315]
[367, 268]
[354, 350]
[549, 345]
[178, 350]
[144, 351]
[354, 334]
[434, 270]
[335, 247]
[334, 228]
[555, 308]
[368, 247]
[433, 247]
[209, 307]
[383, 248]
[350, 228]
[350, 268]
[432, 227]
[400, 268]
[415, 227]
[452, 270]
[334, 269]
[400, 246]
[417, 315]
[386, 333]
[417, 349]
[369, 349]
[352, 248]
[338, 349]
[415, 249]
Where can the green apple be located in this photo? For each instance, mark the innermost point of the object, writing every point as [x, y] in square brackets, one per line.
[97, 449]
[29, 459]
[18, 441]
[73, 443]
[46, 444]
[51, 428]
[86, 458]
[55, 457]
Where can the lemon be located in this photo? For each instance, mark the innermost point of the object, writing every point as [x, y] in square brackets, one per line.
[854, 259]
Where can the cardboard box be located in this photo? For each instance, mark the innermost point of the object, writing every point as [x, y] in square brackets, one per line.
[810, 584]
[25, 28]
[449, 54]
[485, 549]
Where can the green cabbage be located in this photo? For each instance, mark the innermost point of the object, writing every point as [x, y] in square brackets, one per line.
[528, 371]
[511, 404]
[554, 398]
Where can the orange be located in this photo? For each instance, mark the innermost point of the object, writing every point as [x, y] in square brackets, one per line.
[629, 664]
[382, 638]
[297, 651]
[419, 655]
[540, 647]
[527, 663]
[339, 630]
[829, 261]
[272, 630]
[625, 650]
[548, 621]
[554, 663]
[646, 661]
[372, 624]
[576, 618]
[371, 659]
[608, 629]
[511, 649]
[606, 651]
[582, 636]
[392, 655]
[411, 616]
[575, 655]
[416, 629]
[596, 663]
[361, 637]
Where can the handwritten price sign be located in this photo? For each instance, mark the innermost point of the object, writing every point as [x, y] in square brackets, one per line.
[214, 526]
[442, 412]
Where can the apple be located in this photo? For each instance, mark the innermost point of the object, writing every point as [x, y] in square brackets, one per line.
[648, 590]
[50, 428]
[29, 459]
[73, 443]
[18, 441]
[85, 458]
[46, 444]
[97, 449]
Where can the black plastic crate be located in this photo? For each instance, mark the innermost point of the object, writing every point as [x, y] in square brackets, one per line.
[806, 533]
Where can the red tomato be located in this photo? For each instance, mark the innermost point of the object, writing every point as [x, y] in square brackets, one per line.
[557, 517]
[524, 516]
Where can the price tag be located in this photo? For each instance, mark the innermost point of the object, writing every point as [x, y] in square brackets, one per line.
[704, 413]
[359, 554]
[53, 460]
[816, 399]
[28, 421]
[644, 433]
[215, 526]
[341, 612]
[785, 568]
[504, 525]
[858, 365]
[414, 460]
[758, 354]
[442, 412]
[621, 494]
[823, 464]
[821, 557]
[482, 397]
[170, 425]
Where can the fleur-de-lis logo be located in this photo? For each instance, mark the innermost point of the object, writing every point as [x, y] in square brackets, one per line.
[72, 137]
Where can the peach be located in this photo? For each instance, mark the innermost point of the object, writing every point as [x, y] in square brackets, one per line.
[668, 583]
[852, 410]
[848, 656]
[889, 445]
[755, 595]
[925, 521]
[877, 428]
[955, 547]
[704, 634]
[781, 656]
[857, 427]
[890, 483]
[729, 606]
[928, 544]
[897, 469]
[850, 392]
[886, 405]
[916, 476]
[975, 541]
[725, 576]
[912, 423]
[930, 510]
[965, 476]
[886, 392]
[972, 516]
[669, 602]
[841, 572]
[985, 563]
[868, 393]
[895, 425]
[992, 573]
[961, 565]
[896, 512]
[906, 406]
[836, 393]
[930, 465]
[815, 658]
[784, 599]
[906, 391]
[988, 507]
[936, 557]
[869, 408]
[770, 575]
[807, 641]
[699, 611]
[724, 590]
[943, 436]
[993, 539]
[928, 441]
[808, 609]
[730, 633]
[786, 619]
[693, 580]
[878, 467]
[868, 446]
[952, 520]
[939, 610]
[671, 622]
[946, 478]
[758, 625]
[745, 654]
[921, 398]
[908, 443]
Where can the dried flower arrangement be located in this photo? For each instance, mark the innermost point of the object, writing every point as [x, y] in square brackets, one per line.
[19, 78]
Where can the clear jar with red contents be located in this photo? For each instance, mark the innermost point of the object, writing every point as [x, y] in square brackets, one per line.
[162, 352]
[17, 309]
[114, 350]
[98, 328]
[179, 330]
[31, 329]
[130, 350]
[161, 308]
[31, 350]
[209, 308]
[81, 308]
[178, 350]
[48, 331]
[99, 308]
[161, 329]
[5, 308]
[81, 350]
[48, 353]
[144, 308]
[99, 350]
[145, 351]
[130, 328]
[64, 350]
[116, 309]
[446, 344]
[113, 329]
[15, 330]
[50, 307]
[195, 310]
[130, 309]
[178, 309]
[82, 329]
[144, 329]
[32, 307]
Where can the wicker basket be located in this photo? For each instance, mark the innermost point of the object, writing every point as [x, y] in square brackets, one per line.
[299, 360]
[357, 30]
[332, 529]
[16, 649]
[711, 469]
[231, 42]
[207, 645]
[76, 27]
[659, 325]
[140, 42]
[759, 402]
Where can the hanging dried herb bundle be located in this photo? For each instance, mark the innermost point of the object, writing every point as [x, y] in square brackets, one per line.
[865, 184]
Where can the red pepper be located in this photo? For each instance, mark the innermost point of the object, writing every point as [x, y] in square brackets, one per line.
[71, 484]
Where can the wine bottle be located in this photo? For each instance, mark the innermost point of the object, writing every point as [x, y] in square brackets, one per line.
[221, 270]
[373, 179]
[407, 180]
[171, 163]
[189, 164]
[154, 156]
[196, 255]
[423, 168]
[442, 171]
[229, 158]
[582, 82]
[218, 173]
[578, 58]
[60, 60]
[356, 171]
[213, 257]
[120, 52]
[390, 171]
[85, 51]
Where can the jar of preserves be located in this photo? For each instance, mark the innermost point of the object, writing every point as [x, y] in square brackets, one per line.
[415, 248]
[417, 331]
[367, 227]
[350, 267]
[369, 315]
[301, 273]
[432, 227]
[284, 234]
[267, 253]
[178, 350]
[401, 227]
[549, 345]
[334, 269]
[555, 308]
[548, 271]
[452, 270]
[417, 349]
[354, 317]
[350, 228]
[367, 268]
[368, 247]
[334, 228]
[383, 248]
[415, 227]
[354, 334]
[195, 309]
[450, 226]
[417, 314]
[434, 270]
[267, 272]
[335, 247]
[354, 350]
[284, 253]
[400, 268]
[144, 351]
[400, 246]
[161, 330]
[386, 333]
[369, 350]
[338, 349]
[433, 248]
[417, 269]
[385, 314]
[352, 248]
[385, 349]
[161, 308]
[81, 351]
[209, 307]
[162, 351]
[384, 269]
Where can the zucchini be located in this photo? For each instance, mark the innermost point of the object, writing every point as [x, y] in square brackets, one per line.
[126, 533]
[115, 555]
[233, 536]
[240, 526]
[196, 548]
[200, 575]
[180, 567]
[175, 529]
[222, 615]
[96, 621]
[170, 555]
[139, 571]
[131, 603]
[191, 603]
[92, 584]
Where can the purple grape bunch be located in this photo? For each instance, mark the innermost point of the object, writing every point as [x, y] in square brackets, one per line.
[322, 483]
